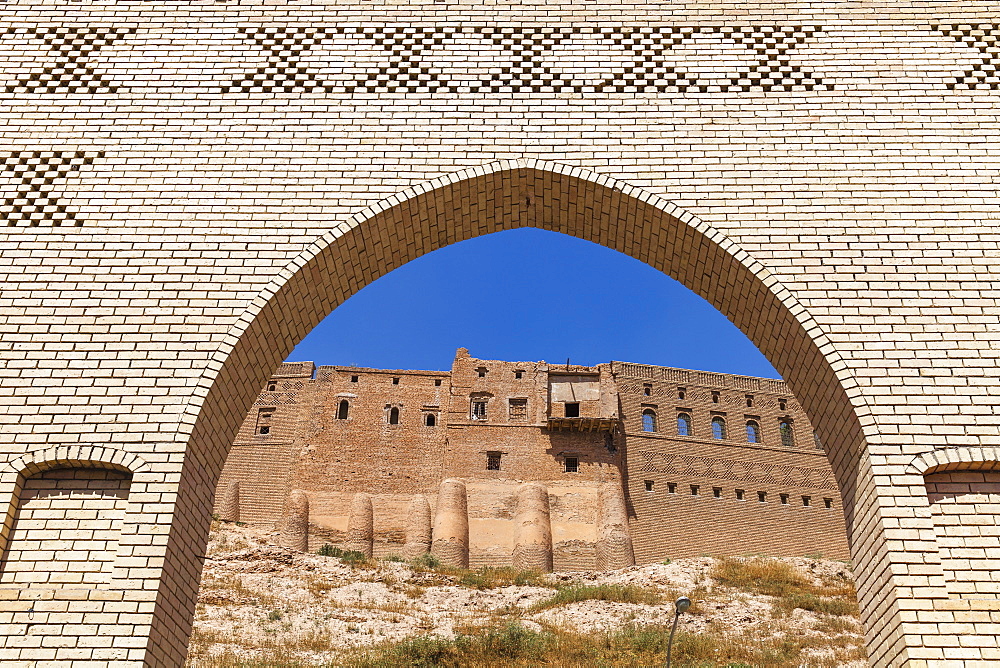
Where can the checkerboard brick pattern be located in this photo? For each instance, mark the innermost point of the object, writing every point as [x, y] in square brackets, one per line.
[848, 230]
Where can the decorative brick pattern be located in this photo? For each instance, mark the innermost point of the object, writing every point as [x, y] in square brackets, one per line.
[67, 69]
[983, 37]
[33, 176]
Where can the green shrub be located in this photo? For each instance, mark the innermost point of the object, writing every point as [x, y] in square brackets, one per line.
[426, 560]
[327, 550]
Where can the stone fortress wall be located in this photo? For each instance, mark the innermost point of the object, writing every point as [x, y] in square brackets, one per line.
[673, 445]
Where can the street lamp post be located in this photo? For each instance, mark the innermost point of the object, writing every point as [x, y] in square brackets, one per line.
[680, 605]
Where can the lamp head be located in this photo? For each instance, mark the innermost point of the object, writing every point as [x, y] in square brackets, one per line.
[682, 604]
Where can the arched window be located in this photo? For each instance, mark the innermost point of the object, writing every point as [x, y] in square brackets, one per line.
[718, 428]
[649, 420]
[394, 415]
[343, 409]
[753, 432]
[430, 420]
[787, 437]
[683, 424]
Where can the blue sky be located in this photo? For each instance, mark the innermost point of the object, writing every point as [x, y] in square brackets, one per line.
[524, 295]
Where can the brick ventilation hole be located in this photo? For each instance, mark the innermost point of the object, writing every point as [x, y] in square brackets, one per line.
[982, 37]
[33, 174]
[70, 72]
[406, 70]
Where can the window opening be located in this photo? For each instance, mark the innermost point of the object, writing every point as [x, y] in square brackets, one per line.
[787, 437]
[784, 499]
[753, 432]
[264, 418]
[683, 424]
[649, 485]
[649, 420]
[343, 409]
[672, 487]
[481, 371]
[681, 392]
[749, 401]
[782, 405]
[572, 409]
[647, 389]
[572, 465]
[739, 494]
[519, 374]
[518, 410]
[478, 410]
[828, 503]
[430, 420]
[718, 428]
[715, 397]
[395, 381]
[271, 387]
[806, 500]
[694, 490]
[354, 379]
[493, 461]
[394, 415]
[762, 497]
[437, 382]
[717, 492]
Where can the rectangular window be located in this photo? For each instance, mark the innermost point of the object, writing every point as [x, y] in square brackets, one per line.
[437, 382]
[518, 374]
[717, 492]
[395, 381]
[572, 465]
[518, 410]
[354, 379]
[784, 499]
[739, 494]
[478, 411]
[828, 503]
[762, 497]
[493, 461]
[649, 485]
[264, 419]
[694, 490]
[806, 500]
[672, 487]
[572, 410]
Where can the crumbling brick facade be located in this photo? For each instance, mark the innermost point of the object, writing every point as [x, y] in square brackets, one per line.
[758, 483]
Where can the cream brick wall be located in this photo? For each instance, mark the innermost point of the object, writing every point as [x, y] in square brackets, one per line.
[825, 174]
[66, 529]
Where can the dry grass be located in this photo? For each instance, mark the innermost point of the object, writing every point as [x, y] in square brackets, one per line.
[486, 577]
[513, 646]
[603, 592]
[760, 575]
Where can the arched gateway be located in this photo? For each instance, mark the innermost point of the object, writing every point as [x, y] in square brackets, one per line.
[178, 218]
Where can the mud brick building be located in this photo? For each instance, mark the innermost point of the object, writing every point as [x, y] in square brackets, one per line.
[708, 463]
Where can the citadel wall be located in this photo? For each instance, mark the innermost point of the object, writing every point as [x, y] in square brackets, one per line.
[394, 435]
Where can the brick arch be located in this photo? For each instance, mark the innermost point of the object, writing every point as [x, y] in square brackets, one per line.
[964, 458]
[509, 195]
[73, 456]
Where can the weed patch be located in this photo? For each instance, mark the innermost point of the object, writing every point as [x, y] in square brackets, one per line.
[604, 592]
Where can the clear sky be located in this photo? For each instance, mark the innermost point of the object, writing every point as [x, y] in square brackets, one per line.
[528, 295]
